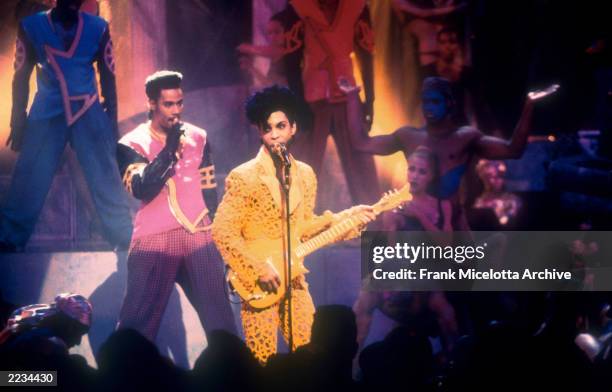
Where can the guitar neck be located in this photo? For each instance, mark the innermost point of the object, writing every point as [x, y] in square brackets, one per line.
[327, 237]
[389, 201]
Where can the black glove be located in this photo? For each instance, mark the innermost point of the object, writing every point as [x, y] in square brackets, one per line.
[153, 178]
[173, 138]
[147, 185]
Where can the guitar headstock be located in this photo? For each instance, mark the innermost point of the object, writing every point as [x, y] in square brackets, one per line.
[393, 199]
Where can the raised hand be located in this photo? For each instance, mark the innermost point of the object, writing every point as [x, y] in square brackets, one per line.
[366, 109]
[346, 87]
[539, 94]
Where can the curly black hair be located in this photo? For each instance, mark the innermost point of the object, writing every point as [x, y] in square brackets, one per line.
[261, 104]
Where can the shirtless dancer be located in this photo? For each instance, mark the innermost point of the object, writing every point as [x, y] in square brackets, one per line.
[454, 147]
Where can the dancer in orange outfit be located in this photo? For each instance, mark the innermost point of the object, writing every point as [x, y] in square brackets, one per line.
[333, 29]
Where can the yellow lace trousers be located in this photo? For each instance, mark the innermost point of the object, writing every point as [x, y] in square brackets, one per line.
[261, 325]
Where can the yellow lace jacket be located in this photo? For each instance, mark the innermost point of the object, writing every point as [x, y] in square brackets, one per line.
[251, 209]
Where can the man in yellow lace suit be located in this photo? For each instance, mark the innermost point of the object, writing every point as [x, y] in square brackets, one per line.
[253, 209]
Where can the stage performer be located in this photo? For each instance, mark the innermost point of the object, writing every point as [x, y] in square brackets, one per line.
[252, 210]
[167, 164]
[453, 146]
[426, 313]
[63, 44]
[333, 29]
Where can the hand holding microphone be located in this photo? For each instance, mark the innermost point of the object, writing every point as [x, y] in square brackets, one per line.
[173, 138]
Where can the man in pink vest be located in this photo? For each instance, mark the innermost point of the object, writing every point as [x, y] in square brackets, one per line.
[167, 164]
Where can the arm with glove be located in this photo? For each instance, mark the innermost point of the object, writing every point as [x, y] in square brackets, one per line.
[144, 179]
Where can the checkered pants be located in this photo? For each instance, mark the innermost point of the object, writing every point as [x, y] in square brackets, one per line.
[155, 262]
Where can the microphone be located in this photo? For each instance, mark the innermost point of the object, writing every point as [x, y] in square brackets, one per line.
[177, 127]
[281, 151]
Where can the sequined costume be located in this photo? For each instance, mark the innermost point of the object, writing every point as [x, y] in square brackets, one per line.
[172, 239]
[66, 108]
[252, 210]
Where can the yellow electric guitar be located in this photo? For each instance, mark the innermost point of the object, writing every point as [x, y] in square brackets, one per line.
[274, 252]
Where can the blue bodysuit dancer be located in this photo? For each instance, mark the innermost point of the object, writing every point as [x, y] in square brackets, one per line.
[63, 44]
[454, 146]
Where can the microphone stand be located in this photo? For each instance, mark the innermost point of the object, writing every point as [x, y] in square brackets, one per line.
[286, 177]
